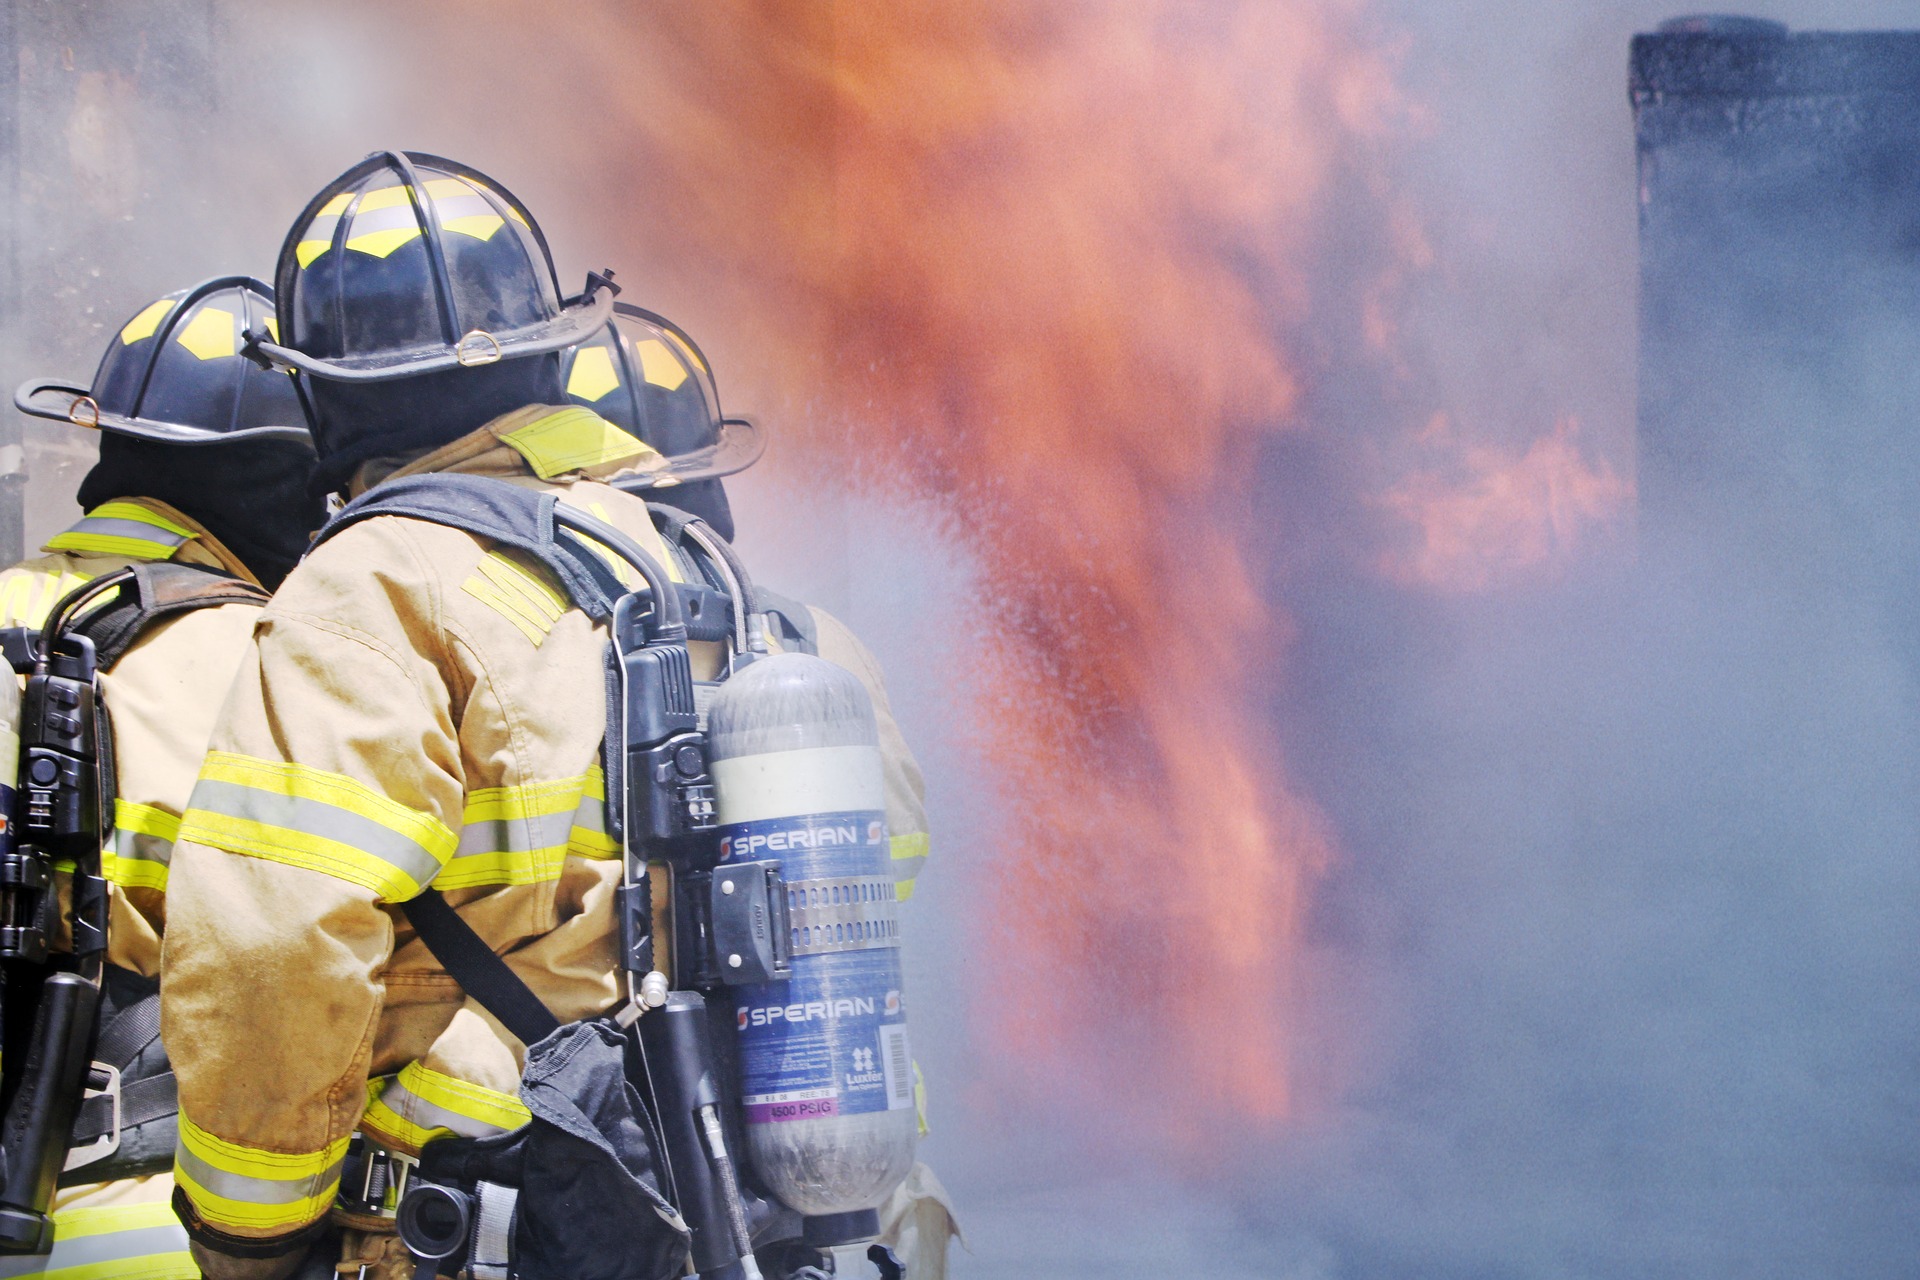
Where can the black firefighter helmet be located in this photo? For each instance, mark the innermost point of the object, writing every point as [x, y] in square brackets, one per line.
[418, 301]
[408, 264]
[174, 374]
[645, 375]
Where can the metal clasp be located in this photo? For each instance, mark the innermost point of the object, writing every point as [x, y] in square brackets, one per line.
[468, 353]
[73, 413]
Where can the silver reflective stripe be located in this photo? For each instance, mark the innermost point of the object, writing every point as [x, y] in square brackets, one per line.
[492, 1254]
[97, 1250]
[415, 1109]
[108, 527]
[592, 814]
[138, 846]
[317, 818]
[251, 1190]
[514, 835]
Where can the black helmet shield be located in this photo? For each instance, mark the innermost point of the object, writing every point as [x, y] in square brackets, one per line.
[409, 264]
[174, 374]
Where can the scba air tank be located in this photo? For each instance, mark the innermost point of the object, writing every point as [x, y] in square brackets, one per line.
[826, 1075]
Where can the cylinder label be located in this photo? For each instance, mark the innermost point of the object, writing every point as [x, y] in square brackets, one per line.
[831, 1041]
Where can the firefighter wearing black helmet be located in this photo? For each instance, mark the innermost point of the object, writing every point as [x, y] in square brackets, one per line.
[204, 463]
[649, 376]
[412, 713]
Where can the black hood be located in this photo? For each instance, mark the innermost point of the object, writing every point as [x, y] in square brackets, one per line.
[253, 495]
[353, 422]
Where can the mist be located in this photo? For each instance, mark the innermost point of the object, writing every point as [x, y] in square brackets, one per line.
[1608, 969]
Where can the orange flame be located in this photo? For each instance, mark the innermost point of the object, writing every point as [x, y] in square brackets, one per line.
[1044, 265]
[1488, 514]
[1043, 280]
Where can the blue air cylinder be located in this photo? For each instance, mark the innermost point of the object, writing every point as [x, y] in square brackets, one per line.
[826, 1076]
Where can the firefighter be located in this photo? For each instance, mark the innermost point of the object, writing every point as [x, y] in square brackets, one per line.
[204, 462]
[648, 376]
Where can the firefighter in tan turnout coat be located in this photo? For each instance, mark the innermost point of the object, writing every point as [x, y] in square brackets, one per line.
[419, 708]
[203, 462]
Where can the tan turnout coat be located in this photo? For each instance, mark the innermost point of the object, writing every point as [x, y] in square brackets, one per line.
[418, 707]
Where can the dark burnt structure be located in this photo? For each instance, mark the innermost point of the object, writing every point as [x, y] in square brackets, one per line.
[1780, 294]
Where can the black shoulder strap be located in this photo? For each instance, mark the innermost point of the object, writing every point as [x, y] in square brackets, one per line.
[510, 514]
[797, 627]
[480, 973]
[156, 591]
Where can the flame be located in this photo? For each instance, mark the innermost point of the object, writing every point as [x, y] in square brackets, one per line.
[1060, 269]
[1034, 262]
[1485, 514]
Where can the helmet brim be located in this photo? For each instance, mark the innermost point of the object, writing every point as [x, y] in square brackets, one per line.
[742, 441]
[59, 401]
[577, 322]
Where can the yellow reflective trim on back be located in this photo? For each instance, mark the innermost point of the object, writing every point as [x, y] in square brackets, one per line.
[211, 334]
[570, 439]
[592, 375]
[480, 226]
[518, 593]
[379, 244]
[26, 598]
[140, 514]
[144, 324]
[93, 1220]
[517, 835]
[659, 365]
[325, 822]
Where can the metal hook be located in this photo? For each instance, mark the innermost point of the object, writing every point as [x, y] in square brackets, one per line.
[478, 356]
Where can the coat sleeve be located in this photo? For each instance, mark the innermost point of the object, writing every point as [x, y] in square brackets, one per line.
[906, 789]
[332, 788]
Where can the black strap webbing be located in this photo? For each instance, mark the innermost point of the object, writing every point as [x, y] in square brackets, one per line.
[795, 620]
[121, 1041]
[159, 590]
[480, 973]
[490, 508]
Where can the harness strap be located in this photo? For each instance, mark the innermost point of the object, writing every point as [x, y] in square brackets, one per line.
[480, 973]
[159, 590]
[506, 513]
[797, 627]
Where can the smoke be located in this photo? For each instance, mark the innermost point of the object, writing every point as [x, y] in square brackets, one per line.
[1354, 858]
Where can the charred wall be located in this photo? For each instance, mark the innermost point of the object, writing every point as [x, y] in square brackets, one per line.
[1779, 407]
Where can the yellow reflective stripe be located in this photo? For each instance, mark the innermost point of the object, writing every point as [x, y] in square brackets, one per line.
[124, 528]
[233, 1185]
[110, 1242]
[420, 1104]
[519, 594]
[515, 835]
[920, 1098]
[571, 438]
[94, 544]
[141, 849]
[139, 513]
[26, 598]
[909, 855]
[588, 837]
[321, 821]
